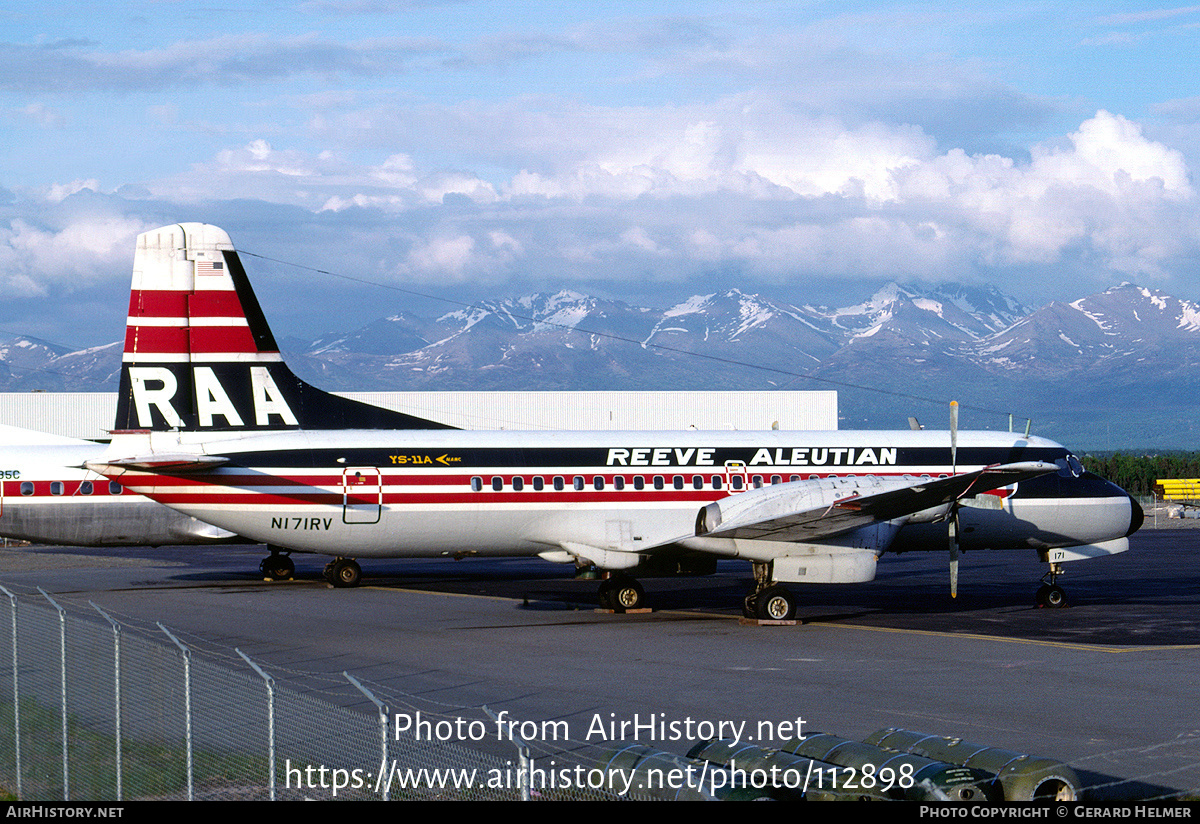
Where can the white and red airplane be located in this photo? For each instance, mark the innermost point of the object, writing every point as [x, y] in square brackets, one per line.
[48, 497]
[212, 423]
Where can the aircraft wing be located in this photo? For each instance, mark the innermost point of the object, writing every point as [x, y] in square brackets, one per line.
[802, 511]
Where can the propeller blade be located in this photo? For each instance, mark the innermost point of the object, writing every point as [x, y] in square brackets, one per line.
[954, 554]
[954, 435]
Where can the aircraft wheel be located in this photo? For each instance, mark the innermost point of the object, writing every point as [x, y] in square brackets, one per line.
[775, 603]
[345, 573]
[277, 567]
[628, 594]
[1052, 596]
[605, 595]
[621, 594]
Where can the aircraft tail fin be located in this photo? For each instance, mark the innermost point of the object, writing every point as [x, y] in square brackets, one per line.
[199, 354]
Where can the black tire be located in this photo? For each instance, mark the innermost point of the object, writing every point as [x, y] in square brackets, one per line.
[278, 568]
[748, 606]
[346, 573]
[621, 594]
[605, 595]
[775, 603]
[1055, 597]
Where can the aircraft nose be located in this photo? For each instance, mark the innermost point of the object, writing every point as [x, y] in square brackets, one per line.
[1137, 516]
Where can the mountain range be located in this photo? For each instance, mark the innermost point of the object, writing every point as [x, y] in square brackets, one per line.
[1114, 370]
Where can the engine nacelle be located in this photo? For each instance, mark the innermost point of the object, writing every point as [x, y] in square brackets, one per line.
[846, 567]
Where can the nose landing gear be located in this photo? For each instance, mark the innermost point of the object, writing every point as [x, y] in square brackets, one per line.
[1050, 594]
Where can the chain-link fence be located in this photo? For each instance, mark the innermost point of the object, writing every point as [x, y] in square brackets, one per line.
[94, 710]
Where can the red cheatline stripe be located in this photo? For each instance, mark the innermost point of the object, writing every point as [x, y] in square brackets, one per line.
[156, 339]
[215, 496]
[233, 477]
[211, 303]
[185, 339]
[180, 498]
[164, 303]
[157, 303]
[208, 339]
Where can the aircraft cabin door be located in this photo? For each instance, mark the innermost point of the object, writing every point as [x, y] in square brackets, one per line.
[362, 495]
[735, 476]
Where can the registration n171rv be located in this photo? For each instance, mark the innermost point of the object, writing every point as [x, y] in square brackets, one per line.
[211, 422]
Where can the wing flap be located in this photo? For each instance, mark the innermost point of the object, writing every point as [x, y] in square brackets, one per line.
[816, 509]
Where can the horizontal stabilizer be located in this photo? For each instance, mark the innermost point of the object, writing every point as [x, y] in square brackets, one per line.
[163, 462]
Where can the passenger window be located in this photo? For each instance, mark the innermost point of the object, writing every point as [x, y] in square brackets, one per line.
[578, 482]
[716, 479]
[598, 482]
[476, 484]
[26, 487]
[56, 487]
[639, 482]
[736, 481]
[559, 484]
[85, 488]
[497, 483]
[538, 483]
[776, 479]
[518, 483]
[618, 482]
[677, 482]
[115, 488]
[758, 481]
[793, 478]
[697, 482]
[658, 482]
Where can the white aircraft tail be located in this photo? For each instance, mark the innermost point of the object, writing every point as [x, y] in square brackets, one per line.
[200, 356]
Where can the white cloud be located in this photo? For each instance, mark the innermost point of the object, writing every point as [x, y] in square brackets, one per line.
[742, 184]
[443, 256]
[35, 260]
[59, 192]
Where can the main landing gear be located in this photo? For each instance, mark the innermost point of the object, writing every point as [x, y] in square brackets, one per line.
[343, 572]
[277, 566]
[769, 601]
[621, 593]
[1050, 594]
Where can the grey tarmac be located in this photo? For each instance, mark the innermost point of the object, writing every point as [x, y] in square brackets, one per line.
[1110, 684]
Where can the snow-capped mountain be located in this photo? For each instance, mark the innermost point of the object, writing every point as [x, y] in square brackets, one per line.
[1078, 369]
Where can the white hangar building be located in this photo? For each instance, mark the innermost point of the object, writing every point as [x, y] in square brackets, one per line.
[90, 414]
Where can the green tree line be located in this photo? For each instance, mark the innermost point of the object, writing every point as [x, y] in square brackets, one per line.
[1137, 474]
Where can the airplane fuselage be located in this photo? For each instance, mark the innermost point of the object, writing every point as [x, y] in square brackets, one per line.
[422, 493]
[46, 497]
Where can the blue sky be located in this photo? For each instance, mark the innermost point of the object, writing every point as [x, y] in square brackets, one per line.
[641, 151]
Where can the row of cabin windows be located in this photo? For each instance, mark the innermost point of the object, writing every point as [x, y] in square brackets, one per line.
[85, 488]
[579, 483]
